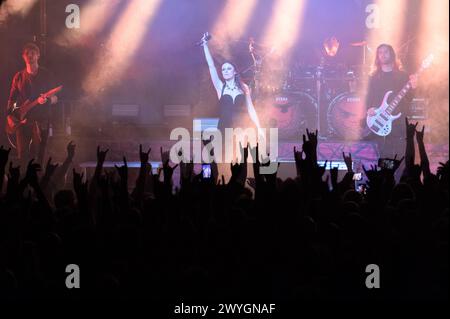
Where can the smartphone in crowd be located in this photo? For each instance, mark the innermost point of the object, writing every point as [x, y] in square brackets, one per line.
[386, 163]
[206, 170]
[361, 188]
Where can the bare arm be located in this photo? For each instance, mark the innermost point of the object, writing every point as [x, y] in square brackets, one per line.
[410, 150]
[62, 171]
[218, 84]
[14, 92]
[250, 107]
[424, 162]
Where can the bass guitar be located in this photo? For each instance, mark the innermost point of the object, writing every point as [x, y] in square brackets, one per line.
[380, 122]
[18, 115]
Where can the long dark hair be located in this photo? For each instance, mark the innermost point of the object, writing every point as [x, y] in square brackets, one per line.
[376, 68]
[237, 77]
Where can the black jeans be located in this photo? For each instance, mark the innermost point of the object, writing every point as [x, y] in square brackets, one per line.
[27, 141]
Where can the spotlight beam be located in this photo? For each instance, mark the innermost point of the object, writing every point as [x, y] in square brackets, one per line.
[94, 17]
[14, 7]
[123, 42]
[284, 26]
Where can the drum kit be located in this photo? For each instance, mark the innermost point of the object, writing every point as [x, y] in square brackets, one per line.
[295, 97]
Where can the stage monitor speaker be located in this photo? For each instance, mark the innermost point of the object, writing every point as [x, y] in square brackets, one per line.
[418, 109]
[177, 115]
[125, 112]
[177, 110]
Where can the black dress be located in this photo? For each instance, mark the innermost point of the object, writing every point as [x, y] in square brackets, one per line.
[233, 113]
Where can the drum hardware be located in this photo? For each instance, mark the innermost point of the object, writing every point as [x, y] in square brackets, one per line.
[283, 108]
[324, 82]
[258, 59]
[318, 97]
[346, 117]
[321, 97]
[292, 113]
[365, 47]
[281, 100]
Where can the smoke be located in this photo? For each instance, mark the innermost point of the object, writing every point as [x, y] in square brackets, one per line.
[435, 85]
[14, 7]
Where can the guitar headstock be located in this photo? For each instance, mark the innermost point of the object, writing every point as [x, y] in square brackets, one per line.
[426, 63]
[53, 91]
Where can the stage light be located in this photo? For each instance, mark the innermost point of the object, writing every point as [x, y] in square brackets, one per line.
[280, 35]
[13, 7]
[115, 56]
[433, 34]
[284, 26]
[433, 38]
[390, 17]
[385, 25]
[93, 18]
[331, 46]
[232, 22]
[393, 16]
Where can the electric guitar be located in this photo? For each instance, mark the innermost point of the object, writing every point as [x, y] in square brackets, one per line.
[381, 122]
[18, 118]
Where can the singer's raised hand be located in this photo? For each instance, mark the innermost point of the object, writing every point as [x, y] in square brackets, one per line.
[206, 37]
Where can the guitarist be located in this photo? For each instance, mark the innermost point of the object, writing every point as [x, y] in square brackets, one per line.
[388, 75]
[29, 84]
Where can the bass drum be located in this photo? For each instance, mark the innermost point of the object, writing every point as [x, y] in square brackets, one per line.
[292, 113]
[346, 117]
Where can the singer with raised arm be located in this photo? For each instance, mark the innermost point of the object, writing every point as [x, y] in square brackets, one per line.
[235, 101]
[32, 92]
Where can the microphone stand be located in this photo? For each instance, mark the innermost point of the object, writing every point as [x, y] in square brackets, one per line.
[319, 74]
[256, 69]
[256, 66]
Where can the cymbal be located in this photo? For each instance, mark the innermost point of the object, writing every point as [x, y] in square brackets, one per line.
[358, 44]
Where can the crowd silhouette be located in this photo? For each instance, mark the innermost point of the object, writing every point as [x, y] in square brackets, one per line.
[309, 237]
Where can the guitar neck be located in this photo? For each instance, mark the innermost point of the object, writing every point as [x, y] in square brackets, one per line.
[394, 103]
[28, 105]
